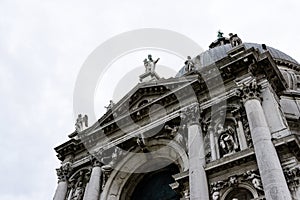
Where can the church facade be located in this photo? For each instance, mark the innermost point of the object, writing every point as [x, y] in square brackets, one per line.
[226, 127]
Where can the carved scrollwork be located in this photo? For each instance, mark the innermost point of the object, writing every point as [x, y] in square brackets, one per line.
[254, 178]
[251, 177]
[63, 173]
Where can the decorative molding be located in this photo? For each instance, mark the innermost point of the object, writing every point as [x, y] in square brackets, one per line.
[251, 177]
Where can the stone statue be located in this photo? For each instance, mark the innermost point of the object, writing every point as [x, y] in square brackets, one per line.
[189, 64]
[81, 122]
[220, 34]
[150, 64]
[110, 105]
[226, 142]
[234, 40]
[79, 191]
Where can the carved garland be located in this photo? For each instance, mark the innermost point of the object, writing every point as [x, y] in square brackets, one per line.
[251, 177]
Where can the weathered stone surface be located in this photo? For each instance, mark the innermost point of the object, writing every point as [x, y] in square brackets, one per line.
[275, 186]
[197, 175]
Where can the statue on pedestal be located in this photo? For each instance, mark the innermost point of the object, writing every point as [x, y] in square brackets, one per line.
[110, 105]
[234, 40]
[150, 64]
[189, 64]
[81, 122]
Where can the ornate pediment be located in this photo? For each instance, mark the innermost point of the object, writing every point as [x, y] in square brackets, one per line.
[142, 95]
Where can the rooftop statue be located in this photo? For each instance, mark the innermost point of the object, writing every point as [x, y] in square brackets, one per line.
[81, 122]
[189, 64]
[220, 34]
[234, 40]
[150, 64]
[110, 105]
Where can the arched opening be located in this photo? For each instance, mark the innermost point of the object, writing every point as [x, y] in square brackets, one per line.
[155, 185]
[239, 194]
[133, 169]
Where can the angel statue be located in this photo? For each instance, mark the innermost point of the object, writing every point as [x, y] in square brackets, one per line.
[81, 122]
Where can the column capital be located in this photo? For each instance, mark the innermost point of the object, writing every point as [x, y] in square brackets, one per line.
[63, 173]
[250, 91]
[95, 158]
[191, 115]
[95, 161]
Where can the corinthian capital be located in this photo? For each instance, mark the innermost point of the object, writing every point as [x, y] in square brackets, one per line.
[250, 91]
[63, 173]
[191, 115]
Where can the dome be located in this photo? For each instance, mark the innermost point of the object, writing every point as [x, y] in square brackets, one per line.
[212, 55]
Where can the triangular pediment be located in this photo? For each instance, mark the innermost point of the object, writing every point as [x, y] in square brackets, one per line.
[143, 94]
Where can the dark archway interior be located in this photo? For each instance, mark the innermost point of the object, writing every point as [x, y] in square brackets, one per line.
[239, 194]
[155, 185]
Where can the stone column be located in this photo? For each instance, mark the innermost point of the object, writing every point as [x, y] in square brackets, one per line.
[212, 143]
[274, 117]
[63, 174]
[274, 183]
[197, 175]
[240, 130]
[94, 185]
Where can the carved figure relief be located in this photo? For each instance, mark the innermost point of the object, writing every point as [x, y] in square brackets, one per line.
[78, 183]
[255, 179]
[234, 183]
[79, 192]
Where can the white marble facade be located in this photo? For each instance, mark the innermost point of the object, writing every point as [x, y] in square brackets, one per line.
[231, 136]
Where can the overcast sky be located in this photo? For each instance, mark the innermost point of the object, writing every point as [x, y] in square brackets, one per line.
[43, 45]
